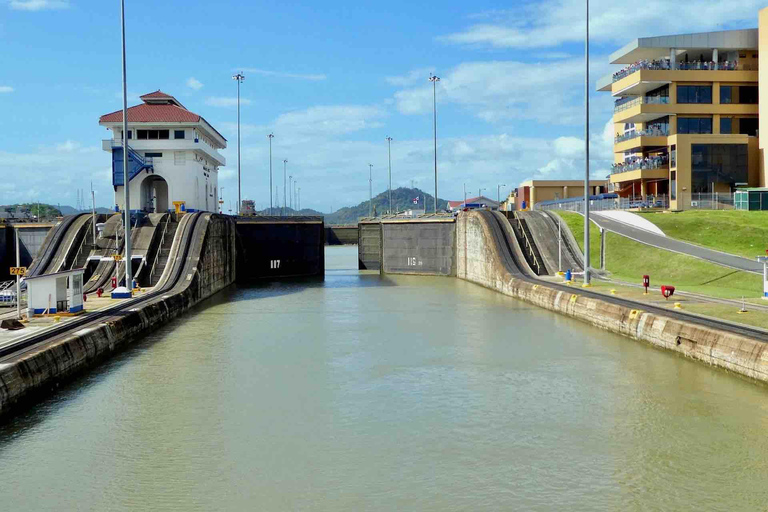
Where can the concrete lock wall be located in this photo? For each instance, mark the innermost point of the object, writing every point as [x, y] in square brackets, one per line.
[341, 235]
[31, 238]
[425, 247]
[369, 246]
[480, 259]
[209, 267]
[269, 249]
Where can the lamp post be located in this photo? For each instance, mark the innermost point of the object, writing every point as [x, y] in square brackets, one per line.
[124, 293]
[586, 150]
[270, 137]
[498, 193]
[221, 200]
[370, 190]
[285, 195]
[479, 193]
[434, 79]
[298, 197]
[290, 188]
[465, 196]
[389, 154]
[295, 196]
[239, 78]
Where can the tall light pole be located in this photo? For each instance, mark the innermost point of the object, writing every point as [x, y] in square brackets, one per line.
[125, 292]
[370, 190]
[479, 194]
[298, 197]
[498, 193]
[221, 200]
[389, 154]
[270, 137]
[465, 196]
[295, 197]
[290, 188]
[586, 150]
[285, 196]
[239, 78]
[434, 79]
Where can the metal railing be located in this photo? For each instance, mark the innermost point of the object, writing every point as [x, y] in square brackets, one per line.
[527, 244]
[641, 100]
[159, 248]
[664, 65]
[641, 163]
[576, 204]
[651, 132]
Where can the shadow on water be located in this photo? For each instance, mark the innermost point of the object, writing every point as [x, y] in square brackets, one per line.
[49, 401]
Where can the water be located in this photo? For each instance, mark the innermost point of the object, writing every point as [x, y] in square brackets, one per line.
[363, 393]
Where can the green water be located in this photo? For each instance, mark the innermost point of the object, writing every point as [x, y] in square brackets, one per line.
[370, 393]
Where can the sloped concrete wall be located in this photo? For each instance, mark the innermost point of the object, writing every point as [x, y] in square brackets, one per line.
[481, 260]
[209, 267]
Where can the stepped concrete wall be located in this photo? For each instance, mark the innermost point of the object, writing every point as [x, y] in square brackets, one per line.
[481, 260]
[369, 245]
[209, 267]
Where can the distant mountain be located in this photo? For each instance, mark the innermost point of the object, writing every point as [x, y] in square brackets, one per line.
[402, 199]
[291, 212]
[68, 210]
[32, 210]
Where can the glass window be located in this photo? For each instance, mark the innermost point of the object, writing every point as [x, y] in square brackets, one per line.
[694, 94]
[726, 125]
[718, 163]
[726, 94]
[673, 185]
[152, 134]
[748, 94]
[178, 134]
[163, 134]
[748, 126]
[673, 156]
[130, 135]
[142, 134]
[694, 125]
[154, 155]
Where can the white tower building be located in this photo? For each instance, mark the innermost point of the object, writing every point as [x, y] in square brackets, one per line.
[173, 155]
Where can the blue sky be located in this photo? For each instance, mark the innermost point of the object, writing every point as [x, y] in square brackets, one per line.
[331, 80]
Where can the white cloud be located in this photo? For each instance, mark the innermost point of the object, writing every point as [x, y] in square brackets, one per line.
[507, 90]
[5, 88]
[549, 23]
[38, 5]
[223, 101]
[411, 78]
[279, 74]
[68, 146]
[194, 83]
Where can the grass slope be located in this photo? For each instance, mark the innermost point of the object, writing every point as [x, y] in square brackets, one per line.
[628, 260]
[737, 232]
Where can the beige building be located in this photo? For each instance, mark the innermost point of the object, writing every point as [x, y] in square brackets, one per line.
[686, 114]
[535, 191]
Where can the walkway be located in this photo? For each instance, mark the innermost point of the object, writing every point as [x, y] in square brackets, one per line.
[670, 244]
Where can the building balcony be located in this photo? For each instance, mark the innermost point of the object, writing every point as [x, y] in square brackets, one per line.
[639, 139]
[642, 81]
[641, 109]
[643, 168]
[640, 174]
[168, 145]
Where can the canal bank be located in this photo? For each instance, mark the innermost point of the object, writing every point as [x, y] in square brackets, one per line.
[370, 392]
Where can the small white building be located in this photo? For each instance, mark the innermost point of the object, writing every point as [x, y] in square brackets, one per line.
[61, 292]
[173, 155]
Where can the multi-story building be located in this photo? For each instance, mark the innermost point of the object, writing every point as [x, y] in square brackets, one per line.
[685, 115]
[173, 156]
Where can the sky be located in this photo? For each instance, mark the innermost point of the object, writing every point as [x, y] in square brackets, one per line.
[331, 80]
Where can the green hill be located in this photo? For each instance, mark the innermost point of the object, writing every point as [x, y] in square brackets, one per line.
[402, 199]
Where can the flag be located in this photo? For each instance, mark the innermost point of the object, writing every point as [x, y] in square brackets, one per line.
[416, 200]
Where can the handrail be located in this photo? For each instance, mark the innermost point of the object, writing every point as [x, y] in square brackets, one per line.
[528, 244]
[83, 244]
[159, 248]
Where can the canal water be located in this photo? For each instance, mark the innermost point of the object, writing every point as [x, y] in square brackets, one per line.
[363, 392]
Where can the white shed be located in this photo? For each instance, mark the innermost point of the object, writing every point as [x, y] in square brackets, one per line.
[61, 292]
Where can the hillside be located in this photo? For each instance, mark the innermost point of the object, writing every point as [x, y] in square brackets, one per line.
[45, 211]
[402, 199]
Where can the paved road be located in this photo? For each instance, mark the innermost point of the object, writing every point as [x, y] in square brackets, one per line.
[670, 244]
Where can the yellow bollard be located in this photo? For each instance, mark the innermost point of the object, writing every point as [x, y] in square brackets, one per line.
[613, 292]
[56, 318]
[678, 305]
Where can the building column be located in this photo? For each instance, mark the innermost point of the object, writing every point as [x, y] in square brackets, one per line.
[672, 58]
[714, 57]
[532, 198]
[643, 188]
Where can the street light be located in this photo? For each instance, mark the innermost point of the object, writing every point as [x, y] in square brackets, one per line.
[479, 193]
[290, 187]
[270, 137]
[295, 198]
[370, 190]
[498, 193]
[389, 153]
[239, 78]
[434, 79]
[586, 150]
[285, 196]
[221, 199]
[126, 194]
[465, 196]
[298, 197]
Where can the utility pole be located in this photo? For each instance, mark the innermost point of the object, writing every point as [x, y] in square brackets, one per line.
[298, 197]
[295, 197]
[18, 277]
[498, 193]
[586, 151]
[270, 137]
[389, 153]
[370, 190]
[239, 77]
[434, 79]
[285, 164]
[465, 196]
[93, 214]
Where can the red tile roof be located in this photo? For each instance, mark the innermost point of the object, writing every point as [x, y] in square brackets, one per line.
[470, 200]
[152, 113]
[158, 94]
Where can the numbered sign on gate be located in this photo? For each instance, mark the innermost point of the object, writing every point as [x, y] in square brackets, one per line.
[18, 271]
[117, 257]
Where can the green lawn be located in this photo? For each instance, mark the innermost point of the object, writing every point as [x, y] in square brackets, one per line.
[628, 260]
[734, 231]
